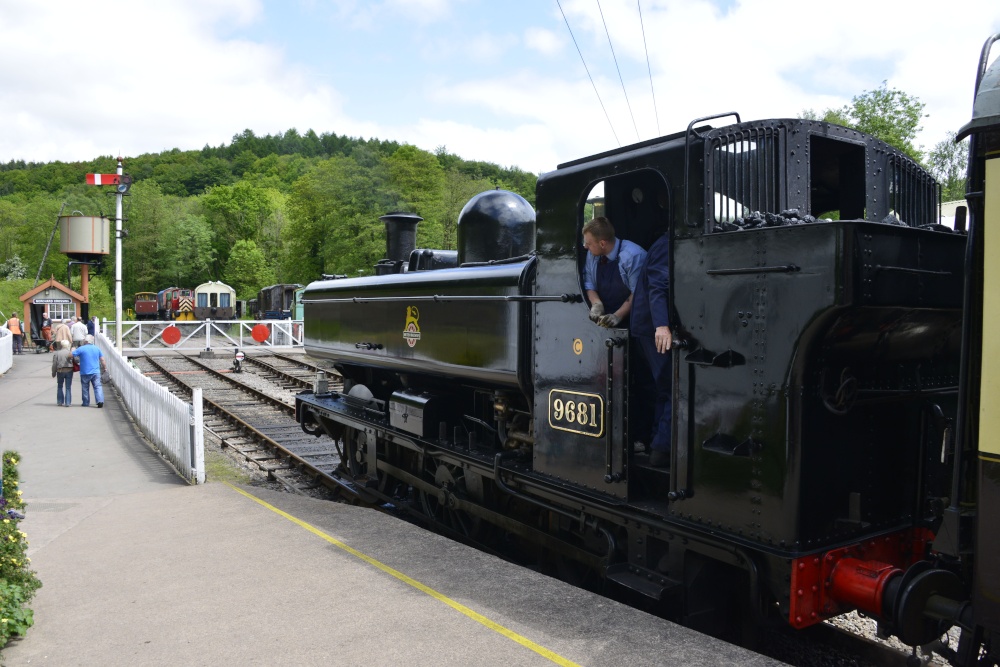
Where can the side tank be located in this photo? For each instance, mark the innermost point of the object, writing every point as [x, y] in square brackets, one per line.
[465, 323]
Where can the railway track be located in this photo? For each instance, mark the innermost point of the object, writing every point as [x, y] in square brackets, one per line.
[284, 371]
[253, 423]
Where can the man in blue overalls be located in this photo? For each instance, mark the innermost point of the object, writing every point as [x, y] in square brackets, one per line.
[651, 331]
[610, 274]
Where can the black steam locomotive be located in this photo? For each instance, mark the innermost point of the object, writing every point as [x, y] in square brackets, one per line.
[822, 455]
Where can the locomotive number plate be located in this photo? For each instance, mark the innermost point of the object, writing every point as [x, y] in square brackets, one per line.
[576, 412]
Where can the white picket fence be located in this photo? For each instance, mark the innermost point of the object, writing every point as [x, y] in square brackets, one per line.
[6, 349]
[176, 428]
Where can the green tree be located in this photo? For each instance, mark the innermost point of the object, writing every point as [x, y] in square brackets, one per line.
[885, 113]
[248, 270]
[419, 180]
[948, 163]
[459, 188]
[333, 218]
[835, 116]
[13, 268]
[245, 211]
[185, 252]
[149, 214]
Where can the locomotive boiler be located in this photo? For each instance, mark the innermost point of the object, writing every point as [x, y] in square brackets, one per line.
[817, 306]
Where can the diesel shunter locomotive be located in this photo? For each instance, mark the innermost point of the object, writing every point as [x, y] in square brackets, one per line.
[821, 459]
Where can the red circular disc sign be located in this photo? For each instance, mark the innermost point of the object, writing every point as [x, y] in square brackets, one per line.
[171, 335]
[260, 333]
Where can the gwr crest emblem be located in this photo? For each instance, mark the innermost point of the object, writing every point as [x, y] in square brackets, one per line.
[411, 332]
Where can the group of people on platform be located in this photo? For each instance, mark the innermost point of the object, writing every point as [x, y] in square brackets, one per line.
[75, 352]
[627, 287]
[75, 330]
[88, 360]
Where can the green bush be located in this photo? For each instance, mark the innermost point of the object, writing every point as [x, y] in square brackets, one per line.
[18, 582]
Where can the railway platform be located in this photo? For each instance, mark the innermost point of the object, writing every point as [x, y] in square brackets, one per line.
[138, 568]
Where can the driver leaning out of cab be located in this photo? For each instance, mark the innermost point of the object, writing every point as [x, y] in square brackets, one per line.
[610, 274]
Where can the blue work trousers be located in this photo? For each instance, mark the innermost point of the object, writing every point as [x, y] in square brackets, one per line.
[660, 365]
[86, 381]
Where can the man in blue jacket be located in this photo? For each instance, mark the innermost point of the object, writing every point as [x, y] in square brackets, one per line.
[91, 363]
[651, 331]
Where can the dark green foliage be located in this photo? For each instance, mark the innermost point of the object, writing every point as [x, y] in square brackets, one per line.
[18, 582]
[886, 113]
[292, 204]
[948, 163]
[247, 270]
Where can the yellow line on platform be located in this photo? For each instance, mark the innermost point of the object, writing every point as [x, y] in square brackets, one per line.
[441, 597]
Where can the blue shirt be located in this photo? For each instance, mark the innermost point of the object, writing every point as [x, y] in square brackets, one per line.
[650, 303]
[629, 255]
[89, 358]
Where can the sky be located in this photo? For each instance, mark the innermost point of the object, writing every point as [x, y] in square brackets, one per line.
[492, 80]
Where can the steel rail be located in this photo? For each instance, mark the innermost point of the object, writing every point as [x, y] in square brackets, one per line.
[283, 374]
[328, 480]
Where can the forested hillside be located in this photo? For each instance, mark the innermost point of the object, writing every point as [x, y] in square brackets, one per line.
[260, 210]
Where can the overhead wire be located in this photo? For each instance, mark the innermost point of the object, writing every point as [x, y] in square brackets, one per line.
[606, 32]
[656, 113]
[589, 75]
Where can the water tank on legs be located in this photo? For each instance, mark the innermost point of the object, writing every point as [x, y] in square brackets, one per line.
[84, 237]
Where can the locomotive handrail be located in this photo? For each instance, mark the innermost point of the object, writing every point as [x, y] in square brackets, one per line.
[906, 269]
[782, 268]
[440, 298]
[687, 154]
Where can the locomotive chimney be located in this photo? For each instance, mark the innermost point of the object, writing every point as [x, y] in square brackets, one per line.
[400, 241]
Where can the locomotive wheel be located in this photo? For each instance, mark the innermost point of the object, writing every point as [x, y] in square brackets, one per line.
[438, 507]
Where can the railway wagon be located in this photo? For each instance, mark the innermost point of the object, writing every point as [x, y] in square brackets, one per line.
[214, 300]
[175, 303]
[275, 302]
[297, 311]
[831, 369]
[145, 306]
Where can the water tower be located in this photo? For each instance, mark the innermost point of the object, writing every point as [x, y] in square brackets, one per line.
[86, 240]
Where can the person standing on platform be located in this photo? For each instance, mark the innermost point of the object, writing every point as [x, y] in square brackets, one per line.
[62, 333]
[79, 331]
[92, 326]
[46, 329]
[91, 362]
[610, 273]
[651, 331]
[14, 326]
[62, 370]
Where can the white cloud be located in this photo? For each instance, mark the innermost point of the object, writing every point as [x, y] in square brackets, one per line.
[543, 41]
[74, 99]
[766, 58]
[195, 79]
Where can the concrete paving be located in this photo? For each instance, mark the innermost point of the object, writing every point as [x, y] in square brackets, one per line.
[138, 568]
